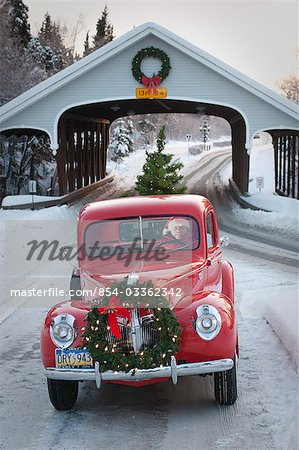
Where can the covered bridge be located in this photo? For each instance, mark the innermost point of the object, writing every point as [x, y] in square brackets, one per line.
[76, 106]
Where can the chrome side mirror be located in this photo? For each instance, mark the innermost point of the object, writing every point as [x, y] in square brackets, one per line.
[224, 241]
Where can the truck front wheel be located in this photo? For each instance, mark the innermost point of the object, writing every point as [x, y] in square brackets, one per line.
[63, 394]
[225, 384]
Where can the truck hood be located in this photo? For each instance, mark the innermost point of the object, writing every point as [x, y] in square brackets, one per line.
[176, 273]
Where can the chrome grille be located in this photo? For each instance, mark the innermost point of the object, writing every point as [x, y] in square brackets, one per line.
[145, 335]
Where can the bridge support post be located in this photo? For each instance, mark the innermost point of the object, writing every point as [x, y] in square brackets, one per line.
[82, 153]
[61, 158]
[240, 157]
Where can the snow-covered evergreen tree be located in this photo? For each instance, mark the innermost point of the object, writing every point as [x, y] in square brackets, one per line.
[121, 139]
[50, 38]
[87, 50]
[18, 18]
[19, 70]
[104, 30]
[26, 60]
[44, 56]
[146, 129]
[205, 130]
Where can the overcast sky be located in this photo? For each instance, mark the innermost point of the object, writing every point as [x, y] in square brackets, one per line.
[259, 38]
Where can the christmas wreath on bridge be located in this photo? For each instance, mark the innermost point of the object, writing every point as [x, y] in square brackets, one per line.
[102, 334]
[156, 79]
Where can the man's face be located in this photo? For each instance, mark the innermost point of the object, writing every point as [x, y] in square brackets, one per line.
[179, 228]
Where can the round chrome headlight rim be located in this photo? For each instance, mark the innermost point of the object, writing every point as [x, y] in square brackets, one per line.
[62, 330]
[208, 322]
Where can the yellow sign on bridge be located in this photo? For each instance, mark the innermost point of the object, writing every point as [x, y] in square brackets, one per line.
[145, 93]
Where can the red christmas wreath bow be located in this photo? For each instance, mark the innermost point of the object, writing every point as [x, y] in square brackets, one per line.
[113, 309]
[151, 83]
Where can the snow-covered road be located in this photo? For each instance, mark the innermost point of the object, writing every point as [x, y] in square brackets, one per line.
[160, 416]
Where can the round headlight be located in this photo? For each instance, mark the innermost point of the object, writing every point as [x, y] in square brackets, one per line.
[208, 322]
[62, 330]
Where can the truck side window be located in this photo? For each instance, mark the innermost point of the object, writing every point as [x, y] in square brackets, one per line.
[211, 242]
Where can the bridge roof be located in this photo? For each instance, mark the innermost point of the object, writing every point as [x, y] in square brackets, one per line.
[101, 55]
[27, 102]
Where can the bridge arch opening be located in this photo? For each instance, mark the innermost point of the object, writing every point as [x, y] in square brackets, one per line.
[83, 136]
[186, 129]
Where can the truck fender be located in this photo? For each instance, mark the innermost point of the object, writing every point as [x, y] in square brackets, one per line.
[228, 288]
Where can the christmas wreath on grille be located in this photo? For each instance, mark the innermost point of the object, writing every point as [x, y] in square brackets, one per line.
[102, 319]
[157, 78]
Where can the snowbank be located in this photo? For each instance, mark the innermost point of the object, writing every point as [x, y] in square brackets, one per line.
[281, 312]
[51, 215]
[286, 223]
[262, 165]
[280, 309]
[284, 211]
[12, 200]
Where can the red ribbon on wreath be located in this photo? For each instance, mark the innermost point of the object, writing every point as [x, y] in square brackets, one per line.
[113, 309]
[151, 83]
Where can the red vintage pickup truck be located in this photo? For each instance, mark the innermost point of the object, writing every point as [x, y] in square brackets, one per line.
[152, 300]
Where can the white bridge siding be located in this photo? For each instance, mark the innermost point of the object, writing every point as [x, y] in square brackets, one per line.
[188, 79]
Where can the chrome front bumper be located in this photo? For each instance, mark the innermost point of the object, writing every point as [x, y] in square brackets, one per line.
[173, 371]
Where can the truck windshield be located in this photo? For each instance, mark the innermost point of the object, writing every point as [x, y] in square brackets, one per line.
[173, 233]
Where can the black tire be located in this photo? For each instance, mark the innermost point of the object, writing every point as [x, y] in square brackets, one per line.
[225, 384]
[63, 394]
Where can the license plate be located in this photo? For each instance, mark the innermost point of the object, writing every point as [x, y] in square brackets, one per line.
[71, 358]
